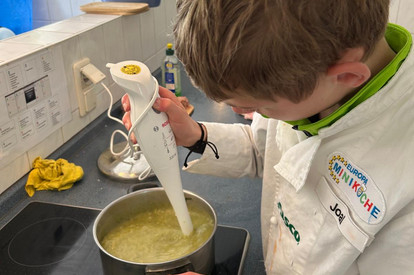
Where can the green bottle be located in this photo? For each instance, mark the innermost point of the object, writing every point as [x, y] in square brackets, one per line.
[171, 77]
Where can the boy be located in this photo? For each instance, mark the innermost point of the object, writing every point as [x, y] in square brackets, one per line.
[332, 86]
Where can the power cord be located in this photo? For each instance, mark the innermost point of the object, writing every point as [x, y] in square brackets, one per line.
[130, 148]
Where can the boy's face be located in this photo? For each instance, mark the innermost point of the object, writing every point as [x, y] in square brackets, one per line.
[324, 96]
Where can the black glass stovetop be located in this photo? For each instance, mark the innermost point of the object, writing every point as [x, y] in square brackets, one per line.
[47, 238]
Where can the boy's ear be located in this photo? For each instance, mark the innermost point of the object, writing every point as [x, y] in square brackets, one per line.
[349, 70]
[351, 74]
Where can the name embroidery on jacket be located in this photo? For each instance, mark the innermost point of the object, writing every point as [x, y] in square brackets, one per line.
[365, 197]
[291, 227]
[338, 213]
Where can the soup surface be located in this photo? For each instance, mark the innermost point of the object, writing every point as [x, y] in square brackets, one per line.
[155, 235]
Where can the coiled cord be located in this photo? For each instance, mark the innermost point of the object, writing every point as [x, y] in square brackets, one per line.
[130, 147]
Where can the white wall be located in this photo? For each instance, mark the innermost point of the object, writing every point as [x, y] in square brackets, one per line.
[46, 12]
[50, 11]
[102, 38]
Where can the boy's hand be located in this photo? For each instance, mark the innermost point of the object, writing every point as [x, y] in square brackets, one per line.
[186, 130]
[126, 119]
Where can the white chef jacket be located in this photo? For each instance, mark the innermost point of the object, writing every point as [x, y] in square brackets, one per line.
[340, 202]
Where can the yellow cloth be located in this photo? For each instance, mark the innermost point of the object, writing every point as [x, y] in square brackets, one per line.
[48, 174]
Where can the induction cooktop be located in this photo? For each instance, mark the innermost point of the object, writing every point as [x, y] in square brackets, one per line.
[46, 238]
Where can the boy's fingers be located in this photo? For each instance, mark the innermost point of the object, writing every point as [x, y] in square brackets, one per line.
[167, 102]
[125, 103]
[165, 93]
[133, 138]
[184, 101]
[168, 106]
[126, 119]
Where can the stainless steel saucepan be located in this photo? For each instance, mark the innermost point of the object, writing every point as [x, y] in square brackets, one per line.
[200, 260]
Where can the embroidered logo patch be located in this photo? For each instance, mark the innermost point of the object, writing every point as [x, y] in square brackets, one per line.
[365, 197]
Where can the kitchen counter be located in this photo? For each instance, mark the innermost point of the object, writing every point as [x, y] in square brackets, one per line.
[236, 201]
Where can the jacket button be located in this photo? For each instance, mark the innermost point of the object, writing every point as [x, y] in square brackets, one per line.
[273, 220]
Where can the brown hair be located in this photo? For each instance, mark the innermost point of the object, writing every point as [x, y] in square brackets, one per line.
[271, 47]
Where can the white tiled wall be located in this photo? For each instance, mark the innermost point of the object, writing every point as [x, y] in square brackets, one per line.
[46, 12]
[102, 38]
[50, 11]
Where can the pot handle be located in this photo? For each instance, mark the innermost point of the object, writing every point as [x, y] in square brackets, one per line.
[186, 266]
[143, 185]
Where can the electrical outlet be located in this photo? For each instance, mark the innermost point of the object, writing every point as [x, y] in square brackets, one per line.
[90, 99]
[86, 76]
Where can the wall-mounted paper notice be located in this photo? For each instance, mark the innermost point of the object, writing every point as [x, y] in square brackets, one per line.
[34, 101]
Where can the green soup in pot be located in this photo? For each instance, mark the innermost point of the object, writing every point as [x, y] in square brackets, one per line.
[155, 236]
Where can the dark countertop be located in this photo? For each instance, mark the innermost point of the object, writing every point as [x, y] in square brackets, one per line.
[236, 201]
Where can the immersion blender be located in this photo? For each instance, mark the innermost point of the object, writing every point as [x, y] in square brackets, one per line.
[153, 132]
